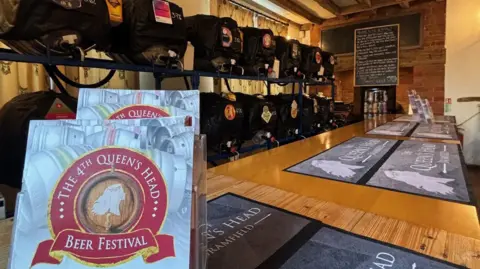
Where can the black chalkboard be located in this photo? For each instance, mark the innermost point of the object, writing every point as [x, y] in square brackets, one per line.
[376, 56]
[340, 40]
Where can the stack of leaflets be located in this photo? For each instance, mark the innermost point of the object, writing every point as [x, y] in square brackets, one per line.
[422, 110]
[112, 188]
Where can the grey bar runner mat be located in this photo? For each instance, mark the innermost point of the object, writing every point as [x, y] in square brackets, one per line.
[446, 131]
[437, 119]
[424, 168]
[348, 162]
[331, 248]
[245, 234]
[394, 129]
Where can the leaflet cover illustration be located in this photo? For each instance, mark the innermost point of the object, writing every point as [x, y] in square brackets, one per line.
[101, 104]
[105, 194]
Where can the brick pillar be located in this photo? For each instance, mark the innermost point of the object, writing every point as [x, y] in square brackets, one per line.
[429, 82]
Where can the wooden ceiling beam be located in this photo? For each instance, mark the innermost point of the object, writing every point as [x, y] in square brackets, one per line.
[295, 8]
[368, 3]
[306, 27]
[251, 4]
[330, 6]
[375, 4]
[404, 4]
[261, 9]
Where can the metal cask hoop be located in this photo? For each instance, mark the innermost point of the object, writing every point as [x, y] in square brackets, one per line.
[175, 170]
[102, 111]
[99, 97]
[178, 145]
[50, 137]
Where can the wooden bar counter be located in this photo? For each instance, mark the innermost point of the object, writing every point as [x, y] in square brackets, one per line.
[266, 168]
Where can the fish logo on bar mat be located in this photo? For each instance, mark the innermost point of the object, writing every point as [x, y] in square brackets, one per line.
[336, 168]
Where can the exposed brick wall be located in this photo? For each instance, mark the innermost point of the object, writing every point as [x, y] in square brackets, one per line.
[422, 69]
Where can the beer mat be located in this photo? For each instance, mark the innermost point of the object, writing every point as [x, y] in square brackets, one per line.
[101, 104]
[247, 234]
[349, 162]
[445, 131]
[437, 119]
[334, 248]
[97, 196]
[394, 129]
[434, 170]
[243, 233]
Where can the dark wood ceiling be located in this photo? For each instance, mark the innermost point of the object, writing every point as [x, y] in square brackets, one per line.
[340, 8]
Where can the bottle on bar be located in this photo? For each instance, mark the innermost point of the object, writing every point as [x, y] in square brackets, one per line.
[385, 102]
[426, 112]
[430, 110]
[380, 102]
[418, 104]
[413, 102]
[365, 104]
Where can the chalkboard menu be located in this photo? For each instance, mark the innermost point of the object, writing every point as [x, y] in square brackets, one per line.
[376, 56]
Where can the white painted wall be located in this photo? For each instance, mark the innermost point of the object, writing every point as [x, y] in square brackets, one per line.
[462, 78]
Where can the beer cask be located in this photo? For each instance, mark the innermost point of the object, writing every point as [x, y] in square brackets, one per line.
[95, 97]
[189, 103]
[176, 172]
[155, 124]
[174, 96]
[101, 111]
[178, 145]
[115, 137]
[109, 203]
[144, 98]
[165, 132]
[47, 137]
[47, 166]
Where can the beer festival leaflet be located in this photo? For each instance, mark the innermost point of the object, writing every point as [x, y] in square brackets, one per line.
[105, 194]
[101, 104]
[75, 144]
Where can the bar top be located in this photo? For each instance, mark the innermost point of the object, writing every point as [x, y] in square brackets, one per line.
[267, 168]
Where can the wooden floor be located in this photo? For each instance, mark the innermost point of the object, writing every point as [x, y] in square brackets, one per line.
[266, 168]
